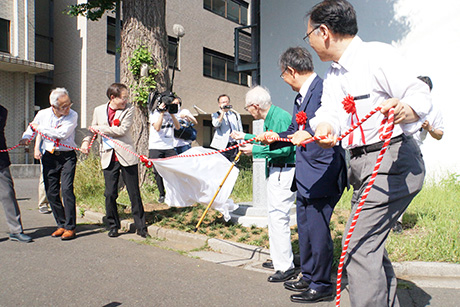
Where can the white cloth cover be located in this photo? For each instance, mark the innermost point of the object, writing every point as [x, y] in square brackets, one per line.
[191, 180]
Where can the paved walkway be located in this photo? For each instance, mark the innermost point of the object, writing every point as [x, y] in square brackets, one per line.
[95, 270]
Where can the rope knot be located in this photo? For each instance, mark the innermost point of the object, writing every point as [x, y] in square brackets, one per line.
[146, 161]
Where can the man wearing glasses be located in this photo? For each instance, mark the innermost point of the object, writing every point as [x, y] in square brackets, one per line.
[320, 179]
[374, 74]
[58, 123]
[226, 120]
[279, 171]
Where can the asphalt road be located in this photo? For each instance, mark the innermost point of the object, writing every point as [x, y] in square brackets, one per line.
[95, 270]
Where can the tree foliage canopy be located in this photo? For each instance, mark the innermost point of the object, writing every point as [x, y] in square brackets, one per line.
[92, 10]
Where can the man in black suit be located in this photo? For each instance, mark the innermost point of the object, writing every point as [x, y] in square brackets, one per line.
[320, 179]
[7, 193]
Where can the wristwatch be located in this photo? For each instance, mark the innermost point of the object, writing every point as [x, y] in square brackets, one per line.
[432, 129]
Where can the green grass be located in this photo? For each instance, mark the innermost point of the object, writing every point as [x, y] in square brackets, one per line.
[431, 223]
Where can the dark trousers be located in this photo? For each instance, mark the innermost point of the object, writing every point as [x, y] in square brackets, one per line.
[160, 153]
[231, 154]
[131, 178]
[182, 149]
[58, 176]
[315, 242]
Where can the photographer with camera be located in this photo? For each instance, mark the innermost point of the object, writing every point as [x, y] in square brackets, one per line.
[184, 136]
[162, 121]
[226, 121]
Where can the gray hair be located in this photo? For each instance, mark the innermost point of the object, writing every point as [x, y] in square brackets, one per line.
[260, 96]
[55, 94]
[298, 58]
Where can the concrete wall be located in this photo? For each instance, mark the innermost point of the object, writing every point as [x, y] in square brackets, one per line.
[416, 28]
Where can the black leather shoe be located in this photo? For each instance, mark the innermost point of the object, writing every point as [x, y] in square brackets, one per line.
[113, 233]
[312, 296]
[143, 233]
[280, 276]
[397, 228]
[268, 264]
[297, 285]
[161, 199]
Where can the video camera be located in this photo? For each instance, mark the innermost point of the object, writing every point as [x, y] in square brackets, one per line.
[156, 99]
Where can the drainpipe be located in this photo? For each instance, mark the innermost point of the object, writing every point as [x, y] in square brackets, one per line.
[26, 108]
[16, 28]
[26, 30]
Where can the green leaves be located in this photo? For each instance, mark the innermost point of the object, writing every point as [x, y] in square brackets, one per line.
[143, 84]
[92, 10]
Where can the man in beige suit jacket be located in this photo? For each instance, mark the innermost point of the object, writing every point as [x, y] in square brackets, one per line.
[115, 119]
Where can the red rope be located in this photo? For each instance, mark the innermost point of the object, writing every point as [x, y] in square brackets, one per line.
[387, 137]
[16, 146]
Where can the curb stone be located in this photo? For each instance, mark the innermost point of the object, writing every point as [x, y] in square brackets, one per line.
[255, 253]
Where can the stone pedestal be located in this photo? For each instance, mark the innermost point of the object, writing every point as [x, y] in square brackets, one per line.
[255, 213]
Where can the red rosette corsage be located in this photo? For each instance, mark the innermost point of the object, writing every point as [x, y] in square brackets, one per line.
[116, 122]
[349, 104]
[301, 118]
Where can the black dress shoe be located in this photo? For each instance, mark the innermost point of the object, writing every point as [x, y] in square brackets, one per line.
[113, 233]
[143, 233]
[297, 285]
[280, 276]
[312, 296]
[268, 264]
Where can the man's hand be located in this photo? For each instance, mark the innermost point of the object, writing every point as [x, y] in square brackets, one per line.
[246, 149]
[237, 135]
[24, 142]
[299, 136]
[426, 125]
[265, 137]
[403, 113]
[85, 147]
[37, 153]
[326, 129]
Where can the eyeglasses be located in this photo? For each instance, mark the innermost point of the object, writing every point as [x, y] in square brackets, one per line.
[246, 108]
[63, 108]
[282, 74]
[309, 33]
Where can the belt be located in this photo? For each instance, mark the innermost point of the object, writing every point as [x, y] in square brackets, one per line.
[281, 165]
[59, 152]
[357, 151]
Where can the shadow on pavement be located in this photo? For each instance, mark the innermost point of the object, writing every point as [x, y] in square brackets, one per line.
[409, 294]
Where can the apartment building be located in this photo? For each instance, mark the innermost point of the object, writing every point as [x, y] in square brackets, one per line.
[18, 69]
[43, 48]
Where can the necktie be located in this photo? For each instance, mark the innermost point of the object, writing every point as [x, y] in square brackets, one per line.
[228, 121]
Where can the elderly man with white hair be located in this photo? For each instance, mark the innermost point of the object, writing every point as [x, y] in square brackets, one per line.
[280, 167]
[58, 123]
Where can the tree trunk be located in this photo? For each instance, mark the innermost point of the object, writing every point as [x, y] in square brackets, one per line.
[144, 24]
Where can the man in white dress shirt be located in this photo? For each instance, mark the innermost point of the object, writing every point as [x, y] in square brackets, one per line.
[226, 120]
[374, 74]
[58, 123]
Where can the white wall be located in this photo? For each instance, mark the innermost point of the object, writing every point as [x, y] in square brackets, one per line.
[433, 37]
[425, 33]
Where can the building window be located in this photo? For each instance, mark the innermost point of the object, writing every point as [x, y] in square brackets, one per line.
[4, 35]
[234, 10]
[111, 28]
[172, 45]
[220, 66]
